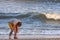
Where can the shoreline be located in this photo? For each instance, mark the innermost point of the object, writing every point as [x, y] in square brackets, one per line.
[32, 37]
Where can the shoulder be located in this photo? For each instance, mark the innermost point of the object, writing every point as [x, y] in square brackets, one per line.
[16, 21]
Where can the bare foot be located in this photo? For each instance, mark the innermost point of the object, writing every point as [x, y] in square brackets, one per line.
[9, 37]
[15, 38]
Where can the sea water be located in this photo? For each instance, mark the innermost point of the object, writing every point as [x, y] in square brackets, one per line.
[28, 13]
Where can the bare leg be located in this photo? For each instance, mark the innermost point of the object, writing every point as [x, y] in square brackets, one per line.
[15, 32]
[10, 34]
[15, 35]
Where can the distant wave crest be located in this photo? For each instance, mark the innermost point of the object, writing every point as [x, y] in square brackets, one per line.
[32, 15]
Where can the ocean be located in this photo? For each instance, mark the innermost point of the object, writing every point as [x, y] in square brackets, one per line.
[31, 14]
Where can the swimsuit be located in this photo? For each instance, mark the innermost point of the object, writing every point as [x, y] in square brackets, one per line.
[10, 25]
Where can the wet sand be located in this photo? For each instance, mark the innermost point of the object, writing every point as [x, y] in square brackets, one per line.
[32, 37]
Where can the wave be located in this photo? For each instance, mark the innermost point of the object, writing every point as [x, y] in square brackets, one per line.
[39, 0]
[34, 0]
[32, 15]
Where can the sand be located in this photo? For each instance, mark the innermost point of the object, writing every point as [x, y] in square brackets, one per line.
[32, 37]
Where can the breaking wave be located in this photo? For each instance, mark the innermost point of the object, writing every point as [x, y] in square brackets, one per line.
[32, 15]
[18, 15]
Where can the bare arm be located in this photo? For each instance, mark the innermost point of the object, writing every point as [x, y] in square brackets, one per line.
[15, 29]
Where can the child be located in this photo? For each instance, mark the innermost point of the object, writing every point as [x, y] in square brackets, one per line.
[13, 25]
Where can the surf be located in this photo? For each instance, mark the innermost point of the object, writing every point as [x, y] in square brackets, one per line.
[31, 15]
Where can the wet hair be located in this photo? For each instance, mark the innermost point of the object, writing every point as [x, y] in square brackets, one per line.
[19, 24]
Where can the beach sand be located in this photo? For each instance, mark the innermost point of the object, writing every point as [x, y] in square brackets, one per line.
[32, 37]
